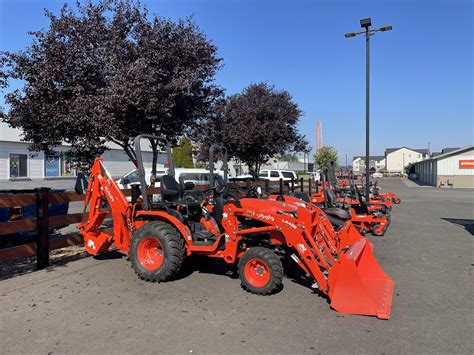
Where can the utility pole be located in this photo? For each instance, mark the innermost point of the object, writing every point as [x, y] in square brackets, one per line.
[365, 24]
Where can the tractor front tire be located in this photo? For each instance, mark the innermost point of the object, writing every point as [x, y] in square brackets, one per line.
[157, 252]
[261, 271]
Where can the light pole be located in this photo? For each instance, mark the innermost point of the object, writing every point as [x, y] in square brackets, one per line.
[365, 24]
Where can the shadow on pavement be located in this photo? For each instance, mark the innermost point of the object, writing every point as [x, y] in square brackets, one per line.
[468, 224]
[27, 265]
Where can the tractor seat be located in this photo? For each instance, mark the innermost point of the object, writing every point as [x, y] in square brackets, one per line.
[172, 193]
[338, 213]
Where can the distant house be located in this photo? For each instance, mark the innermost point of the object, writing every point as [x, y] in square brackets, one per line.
[375, 161]
[397, 158]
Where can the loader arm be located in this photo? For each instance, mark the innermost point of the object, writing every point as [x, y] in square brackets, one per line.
[102, 187]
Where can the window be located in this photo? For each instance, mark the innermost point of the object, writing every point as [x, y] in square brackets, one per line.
[263, 174]
[18, 165]
[66, 166]
[131, 178]
[57, 164]
[289, 175]
[274, 174]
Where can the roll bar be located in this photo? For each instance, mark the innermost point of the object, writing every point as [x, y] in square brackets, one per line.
[324, 172]
[141, 168]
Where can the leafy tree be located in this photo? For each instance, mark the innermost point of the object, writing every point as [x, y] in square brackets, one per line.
[183, 153]
[106, 72]
[324, 155]
[254, 125]
[409, 169]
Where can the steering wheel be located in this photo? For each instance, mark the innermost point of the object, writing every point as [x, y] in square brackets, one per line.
[254, 191]
[220, 188]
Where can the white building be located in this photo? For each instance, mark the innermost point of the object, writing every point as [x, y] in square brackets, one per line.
[397, 158]
[454, 168]
[376, 161]
[17, 163]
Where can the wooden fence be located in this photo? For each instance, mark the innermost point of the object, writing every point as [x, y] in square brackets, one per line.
[41, 226]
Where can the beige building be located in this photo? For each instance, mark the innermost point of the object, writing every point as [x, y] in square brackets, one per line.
[376, 161]
[397, 158]
[452, 169]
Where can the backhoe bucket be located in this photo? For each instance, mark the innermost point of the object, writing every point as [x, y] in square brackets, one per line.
[358, 285]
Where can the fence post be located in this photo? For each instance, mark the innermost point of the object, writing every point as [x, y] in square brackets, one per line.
[310, 186]
[281, 186]
[42, 227]
[301, 184]
[292, 184]
[267, 186]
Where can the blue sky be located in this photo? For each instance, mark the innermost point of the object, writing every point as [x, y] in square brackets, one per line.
[422, 71]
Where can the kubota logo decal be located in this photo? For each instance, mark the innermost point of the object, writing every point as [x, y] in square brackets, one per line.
[265, 217]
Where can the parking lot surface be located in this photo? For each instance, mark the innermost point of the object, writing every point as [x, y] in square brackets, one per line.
[98, 305]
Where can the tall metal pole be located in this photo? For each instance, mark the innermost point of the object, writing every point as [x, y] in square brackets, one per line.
[367, 114]
[366, 23]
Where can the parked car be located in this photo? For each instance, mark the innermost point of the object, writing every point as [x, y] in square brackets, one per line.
[276, 175]
[377, 175]
[316, 175]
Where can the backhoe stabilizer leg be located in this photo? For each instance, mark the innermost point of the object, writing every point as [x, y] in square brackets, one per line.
[97, 242]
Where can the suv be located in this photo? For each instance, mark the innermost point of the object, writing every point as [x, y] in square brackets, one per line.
[276, 175]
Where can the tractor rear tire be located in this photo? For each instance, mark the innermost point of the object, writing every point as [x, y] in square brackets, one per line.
[157, 252]
[261, 271]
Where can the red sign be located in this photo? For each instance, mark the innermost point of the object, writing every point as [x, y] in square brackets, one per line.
[466, 164]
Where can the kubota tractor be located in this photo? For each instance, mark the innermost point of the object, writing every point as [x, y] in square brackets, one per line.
[255, 234]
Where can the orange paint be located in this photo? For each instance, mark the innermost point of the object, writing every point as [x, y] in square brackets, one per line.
[466, 164]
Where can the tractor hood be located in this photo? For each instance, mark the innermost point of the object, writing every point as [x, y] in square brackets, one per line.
[266, 205]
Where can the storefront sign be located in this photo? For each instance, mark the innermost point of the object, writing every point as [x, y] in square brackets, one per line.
[466, 164]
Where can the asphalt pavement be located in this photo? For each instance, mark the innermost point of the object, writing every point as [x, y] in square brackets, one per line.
[98, 305]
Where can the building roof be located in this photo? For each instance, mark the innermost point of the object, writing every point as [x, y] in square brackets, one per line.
[435, 154]
[448, 150]
[421, 151]
[372, 157]
[448, 154]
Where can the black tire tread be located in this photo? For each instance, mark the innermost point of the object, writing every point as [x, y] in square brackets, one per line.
[274, 263]
[176, 247]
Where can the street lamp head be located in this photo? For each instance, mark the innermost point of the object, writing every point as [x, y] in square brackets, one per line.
[385, 28]
[350, 34]
[366, 23]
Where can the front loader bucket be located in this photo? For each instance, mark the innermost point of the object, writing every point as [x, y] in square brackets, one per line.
[358, 285]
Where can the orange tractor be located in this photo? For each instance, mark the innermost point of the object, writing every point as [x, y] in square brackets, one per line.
[159, 232]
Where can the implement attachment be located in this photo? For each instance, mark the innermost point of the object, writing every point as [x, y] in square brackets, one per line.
[358, 285]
